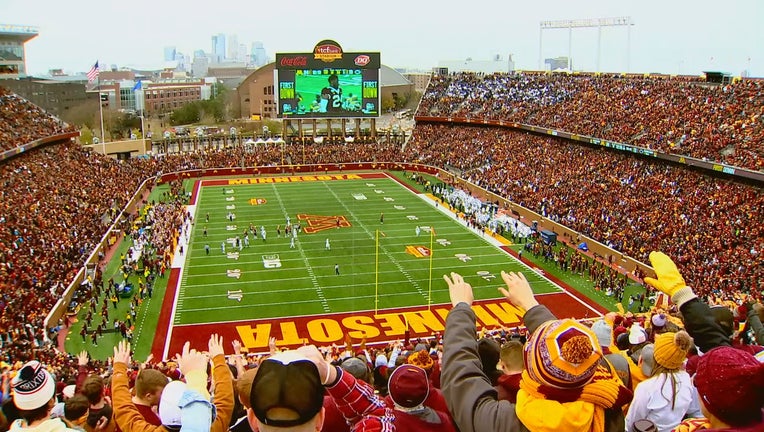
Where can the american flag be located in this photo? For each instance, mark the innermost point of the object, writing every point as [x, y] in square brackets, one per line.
[93, 72]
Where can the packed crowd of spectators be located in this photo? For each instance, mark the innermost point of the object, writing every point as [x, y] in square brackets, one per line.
[55, 204]
[633, 205]
[711, 226]
[22, 122]
[672, 115]
[275, 154]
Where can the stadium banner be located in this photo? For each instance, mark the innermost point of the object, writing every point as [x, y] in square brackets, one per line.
[327, 83]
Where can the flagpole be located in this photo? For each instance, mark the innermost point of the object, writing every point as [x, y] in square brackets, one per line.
[376, 274]
[429, 290]
[100, 111]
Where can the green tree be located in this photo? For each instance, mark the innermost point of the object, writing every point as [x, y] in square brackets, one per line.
[86, 135]
[213, 110]
[84, 113]
[273, 126]
[128, 122]
[388, 103]
[112, 123]
[187, 114]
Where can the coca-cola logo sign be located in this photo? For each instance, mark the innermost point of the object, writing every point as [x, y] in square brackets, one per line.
[362, 60]
[294, 61]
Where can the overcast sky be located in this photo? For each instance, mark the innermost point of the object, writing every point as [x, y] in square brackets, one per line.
[669, 36]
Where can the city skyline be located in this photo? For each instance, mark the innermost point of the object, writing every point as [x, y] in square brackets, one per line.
[668, 37]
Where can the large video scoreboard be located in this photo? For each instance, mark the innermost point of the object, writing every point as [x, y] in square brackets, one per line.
[327, 83]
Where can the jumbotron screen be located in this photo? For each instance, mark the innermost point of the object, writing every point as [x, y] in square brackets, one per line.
[327, 83]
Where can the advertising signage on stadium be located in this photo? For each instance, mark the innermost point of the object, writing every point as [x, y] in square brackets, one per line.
[327, 83]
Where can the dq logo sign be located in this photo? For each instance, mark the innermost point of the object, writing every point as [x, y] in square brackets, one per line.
[318, 223]
[362, 60]
[257, 201]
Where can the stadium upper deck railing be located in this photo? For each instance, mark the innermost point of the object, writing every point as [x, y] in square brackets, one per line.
[7, 154]
[757, 176]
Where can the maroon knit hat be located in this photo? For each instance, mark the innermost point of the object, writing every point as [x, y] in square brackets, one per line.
[731, 385]
[408, 386]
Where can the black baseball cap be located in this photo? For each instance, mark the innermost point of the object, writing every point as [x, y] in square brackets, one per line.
[287, 390]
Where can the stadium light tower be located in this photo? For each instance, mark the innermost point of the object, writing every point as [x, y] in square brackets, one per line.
[590, 23]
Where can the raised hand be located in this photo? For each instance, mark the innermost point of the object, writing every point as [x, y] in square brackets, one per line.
[518, 290]
[669, 280]
[122, 352]
[82, 358]
[459, 290]
[215, 346]
[190, 360]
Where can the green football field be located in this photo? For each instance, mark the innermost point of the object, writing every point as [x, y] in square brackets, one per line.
[395, 274]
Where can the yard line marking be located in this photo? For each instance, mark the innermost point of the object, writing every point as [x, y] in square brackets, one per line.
[309, 301]
[395, 262]
[440, 257]
[311, 273]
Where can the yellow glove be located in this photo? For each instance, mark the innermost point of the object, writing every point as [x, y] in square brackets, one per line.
[669, 280]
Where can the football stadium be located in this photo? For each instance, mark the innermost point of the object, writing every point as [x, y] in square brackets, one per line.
[586, 246]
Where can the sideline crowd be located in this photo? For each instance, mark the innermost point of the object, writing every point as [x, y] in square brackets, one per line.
[712, 227]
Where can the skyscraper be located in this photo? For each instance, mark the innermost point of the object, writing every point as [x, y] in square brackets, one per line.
[169, 53]
[259, 57]
[232, 47]
[200, 64]
[218, 48]
[242, 53]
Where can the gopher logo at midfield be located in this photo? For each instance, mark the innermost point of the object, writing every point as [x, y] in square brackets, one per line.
[318, 223]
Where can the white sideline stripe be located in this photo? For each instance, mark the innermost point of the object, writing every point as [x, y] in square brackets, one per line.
[181, 269]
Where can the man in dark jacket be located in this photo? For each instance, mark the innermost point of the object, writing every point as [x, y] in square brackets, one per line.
[542, 397]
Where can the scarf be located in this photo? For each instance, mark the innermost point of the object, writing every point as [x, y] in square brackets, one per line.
[546, 409]
[510, 384]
